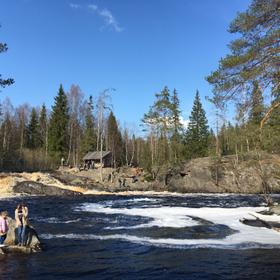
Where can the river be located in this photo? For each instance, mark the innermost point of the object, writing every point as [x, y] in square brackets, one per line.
[136, 237]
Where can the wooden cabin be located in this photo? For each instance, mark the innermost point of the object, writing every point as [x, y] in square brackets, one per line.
[92, 159]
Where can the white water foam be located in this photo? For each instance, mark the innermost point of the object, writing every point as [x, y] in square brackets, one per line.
[162, 217]
[54, 220]
[246, 237]
[170, 242]
[131, 200]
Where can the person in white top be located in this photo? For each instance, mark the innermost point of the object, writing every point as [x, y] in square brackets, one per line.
[21, 217]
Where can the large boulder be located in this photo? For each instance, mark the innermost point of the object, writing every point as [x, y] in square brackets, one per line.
[194, 176]
[33, 243]
[35, 188]
[275, 209]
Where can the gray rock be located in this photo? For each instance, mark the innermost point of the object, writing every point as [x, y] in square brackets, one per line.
[75, 180]
[275, 209]
[199, 175]
[35, 188]
[33, 243]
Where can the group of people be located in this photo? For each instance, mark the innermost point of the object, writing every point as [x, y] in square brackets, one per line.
[21, 217]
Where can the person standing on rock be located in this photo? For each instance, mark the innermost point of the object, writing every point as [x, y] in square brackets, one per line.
[21, 217]
[3, 226]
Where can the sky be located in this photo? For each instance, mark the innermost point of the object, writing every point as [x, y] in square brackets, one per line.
[134, 46]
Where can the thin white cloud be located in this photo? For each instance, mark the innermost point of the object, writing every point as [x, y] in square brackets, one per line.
[74, 6]
[93, 7]
[107, 16]
[110, 19]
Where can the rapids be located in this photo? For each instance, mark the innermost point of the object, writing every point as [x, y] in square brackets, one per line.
[158, 237]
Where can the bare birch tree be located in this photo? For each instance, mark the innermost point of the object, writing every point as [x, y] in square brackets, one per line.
[102, 108]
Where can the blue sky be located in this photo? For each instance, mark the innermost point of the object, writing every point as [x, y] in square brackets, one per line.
[134, 46]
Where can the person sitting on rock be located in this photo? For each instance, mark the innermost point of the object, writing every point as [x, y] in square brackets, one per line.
[21, 217]
[3, 226]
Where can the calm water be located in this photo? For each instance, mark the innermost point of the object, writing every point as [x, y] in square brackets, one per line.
[113, 237]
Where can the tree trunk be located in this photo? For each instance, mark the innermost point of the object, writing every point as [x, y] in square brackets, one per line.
[133, 152]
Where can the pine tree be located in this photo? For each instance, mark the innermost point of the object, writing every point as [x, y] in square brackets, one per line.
[254, 56]
[58, 134]
[89, 136]
[275, 116]
[33, 134]
[115, 143]
[4, 82]
[197, 135]
[159, 120]
[160, 115]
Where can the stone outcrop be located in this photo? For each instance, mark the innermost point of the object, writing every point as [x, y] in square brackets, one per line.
[194, 176]
[35, 188]
[275, 209]
[249, 175]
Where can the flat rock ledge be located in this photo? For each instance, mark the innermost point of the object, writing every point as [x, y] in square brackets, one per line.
[35, 188]
[16, 249]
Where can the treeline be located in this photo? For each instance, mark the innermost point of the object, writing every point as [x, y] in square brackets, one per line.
[38, 138]
[247, 135]
[168, 142]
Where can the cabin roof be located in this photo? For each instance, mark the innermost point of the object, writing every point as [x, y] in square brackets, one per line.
[96, 155]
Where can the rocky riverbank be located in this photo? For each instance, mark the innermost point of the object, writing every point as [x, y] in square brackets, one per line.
[249, 174]
[203, 175]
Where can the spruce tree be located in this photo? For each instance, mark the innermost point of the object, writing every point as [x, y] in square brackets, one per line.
[257, 108]
[58, 132]
[89, 135]
[115, 143]
[197, 135]
[33, 134]
[177, 128]
[256, 113]
[43, 125]
[175, 114]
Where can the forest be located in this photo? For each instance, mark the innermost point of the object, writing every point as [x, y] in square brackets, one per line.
[248, 77]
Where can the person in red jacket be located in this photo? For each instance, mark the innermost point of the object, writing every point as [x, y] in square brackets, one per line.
[3, 226]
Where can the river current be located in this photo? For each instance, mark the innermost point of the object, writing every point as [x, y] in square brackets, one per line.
[152, 237]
